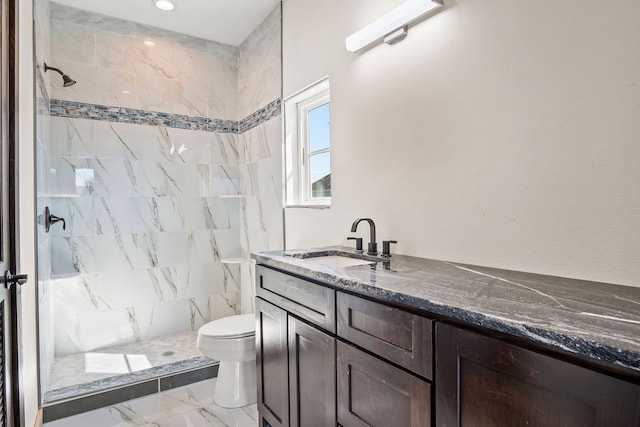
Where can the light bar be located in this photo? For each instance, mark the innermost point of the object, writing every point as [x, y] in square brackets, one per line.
[402, 15]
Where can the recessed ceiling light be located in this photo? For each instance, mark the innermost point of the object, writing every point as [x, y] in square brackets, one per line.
[148, 43]
[166, 5]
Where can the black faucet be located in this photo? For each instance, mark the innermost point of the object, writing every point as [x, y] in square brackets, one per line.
[372, 248]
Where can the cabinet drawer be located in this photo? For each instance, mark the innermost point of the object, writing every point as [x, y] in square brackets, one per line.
[399, 336]
[307, 300]
[374, 393]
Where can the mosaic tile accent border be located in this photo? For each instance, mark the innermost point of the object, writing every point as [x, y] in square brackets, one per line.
[81, 110]
[126, 379]
[273, 109]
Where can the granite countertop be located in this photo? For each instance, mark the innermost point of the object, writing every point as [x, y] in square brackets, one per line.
[598, 320]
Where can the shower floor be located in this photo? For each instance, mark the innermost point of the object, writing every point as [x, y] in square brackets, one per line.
[84, 373]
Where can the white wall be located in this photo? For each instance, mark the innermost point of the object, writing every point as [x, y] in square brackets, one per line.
[500, 133]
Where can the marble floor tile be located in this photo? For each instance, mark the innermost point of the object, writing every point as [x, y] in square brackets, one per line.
[190, 405]
[96, 365]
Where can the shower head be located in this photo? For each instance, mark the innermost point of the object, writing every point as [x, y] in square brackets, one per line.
[66, 80]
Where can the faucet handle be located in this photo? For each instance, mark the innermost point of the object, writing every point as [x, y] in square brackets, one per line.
[386, 248]
[358, 242]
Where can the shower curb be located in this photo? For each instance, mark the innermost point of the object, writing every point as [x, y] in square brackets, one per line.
[63, 408]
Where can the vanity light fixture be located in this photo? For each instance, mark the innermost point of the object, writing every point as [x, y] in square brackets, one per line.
[165, 5]
[392, 26]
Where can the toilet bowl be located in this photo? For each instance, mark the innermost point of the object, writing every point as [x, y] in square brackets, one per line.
[231, 340]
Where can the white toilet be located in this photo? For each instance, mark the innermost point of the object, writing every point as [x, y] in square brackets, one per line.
[231, 340]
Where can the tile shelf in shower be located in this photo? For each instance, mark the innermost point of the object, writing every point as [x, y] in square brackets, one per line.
[236, 260]
[62, 276]
[232, 196]
[59, 195]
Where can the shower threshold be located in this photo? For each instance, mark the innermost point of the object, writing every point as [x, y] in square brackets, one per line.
[83, 374]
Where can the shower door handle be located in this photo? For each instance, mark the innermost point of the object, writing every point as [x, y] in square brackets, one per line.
[48, 219]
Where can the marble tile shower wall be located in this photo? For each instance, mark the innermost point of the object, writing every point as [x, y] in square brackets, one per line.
[260, 66]
[153, 210]
[42, 53]
[121, 63]
[148, 229]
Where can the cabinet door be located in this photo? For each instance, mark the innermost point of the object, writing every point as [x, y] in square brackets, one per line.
[312, 376]
[481, 381]
[374, 393]
[272, 364]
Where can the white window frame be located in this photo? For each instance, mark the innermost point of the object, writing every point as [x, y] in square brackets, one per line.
[297, 151]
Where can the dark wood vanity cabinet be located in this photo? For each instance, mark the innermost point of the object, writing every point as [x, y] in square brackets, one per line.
[299, 384]
[481, 381]
[296, 370]
[328, 358]
[295, 360]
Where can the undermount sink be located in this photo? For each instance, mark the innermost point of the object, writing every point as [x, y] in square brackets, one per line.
[337, 261]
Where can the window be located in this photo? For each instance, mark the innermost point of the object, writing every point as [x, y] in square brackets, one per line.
[308, 146]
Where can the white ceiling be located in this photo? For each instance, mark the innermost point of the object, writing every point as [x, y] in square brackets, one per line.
[224, 21]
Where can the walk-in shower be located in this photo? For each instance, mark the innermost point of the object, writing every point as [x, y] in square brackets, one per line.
[164, 163]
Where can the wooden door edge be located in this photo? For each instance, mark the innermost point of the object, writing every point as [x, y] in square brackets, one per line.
[39, 418]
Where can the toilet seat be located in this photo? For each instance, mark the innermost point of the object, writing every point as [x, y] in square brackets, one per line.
[239, 326]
